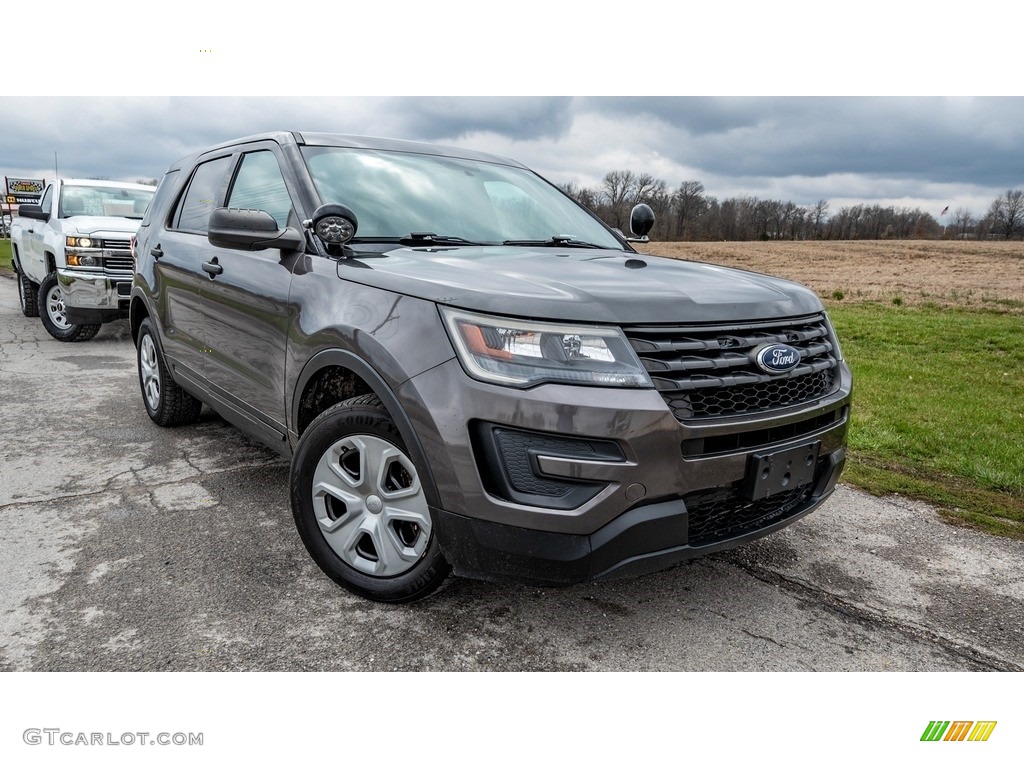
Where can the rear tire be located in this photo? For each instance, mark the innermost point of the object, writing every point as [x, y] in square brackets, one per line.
[360, 508]
[28, 295]
[52, 313]
[166, 403]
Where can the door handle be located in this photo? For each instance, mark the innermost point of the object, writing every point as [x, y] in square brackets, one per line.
[155, 252]
[212, 268]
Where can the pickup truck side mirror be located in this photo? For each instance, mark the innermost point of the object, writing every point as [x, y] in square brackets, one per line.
[33, 212]
[248, 230]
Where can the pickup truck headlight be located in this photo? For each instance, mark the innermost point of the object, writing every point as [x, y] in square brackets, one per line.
[523, 353]
[76, 241]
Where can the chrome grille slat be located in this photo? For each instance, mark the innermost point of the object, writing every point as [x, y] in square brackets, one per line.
[119, 262]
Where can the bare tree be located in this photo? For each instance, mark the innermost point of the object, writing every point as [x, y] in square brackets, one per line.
[963, 221]
[688, 202]
[1007, 213]
[818, 216]
[617, 188]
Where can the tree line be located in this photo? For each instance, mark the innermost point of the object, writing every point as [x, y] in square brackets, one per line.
[689, 213]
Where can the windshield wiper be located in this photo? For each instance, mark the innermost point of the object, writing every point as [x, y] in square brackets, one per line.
[418, 239]
[429, 238]
[555, 241]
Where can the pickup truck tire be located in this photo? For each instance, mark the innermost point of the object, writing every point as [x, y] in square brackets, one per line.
[359, 505]
[28, 295]
[51, 312]
[166, 403]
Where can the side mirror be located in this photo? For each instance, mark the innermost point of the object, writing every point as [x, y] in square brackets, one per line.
[33, 212]
[641, 221]
[248, 230]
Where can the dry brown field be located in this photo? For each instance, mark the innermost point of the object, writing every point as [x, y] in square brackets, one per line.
[982, 275]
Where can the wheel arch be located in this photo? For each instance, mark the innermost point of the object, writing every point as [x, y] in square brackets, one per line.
[137, 312]
[334, 375]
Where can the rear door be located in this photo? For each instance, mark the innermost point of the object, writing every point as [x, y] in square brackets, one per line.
[180, 248]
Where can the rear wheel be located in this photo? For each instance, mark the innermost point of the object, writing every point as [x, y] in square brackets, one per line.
[28, 295]
[166, 403]
[54, 315]
[360, 508]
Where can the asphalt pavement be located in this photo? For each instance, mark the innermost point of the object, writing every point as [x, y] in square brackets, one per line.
[125, 546]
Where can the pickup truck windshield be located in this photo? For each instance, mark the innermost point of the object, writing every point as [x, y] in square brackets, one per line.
[394, 194]
[81, 200]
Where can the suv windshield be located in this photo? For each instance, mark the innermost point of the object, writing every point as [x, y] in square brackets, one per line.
[394, 194]
[80, 200]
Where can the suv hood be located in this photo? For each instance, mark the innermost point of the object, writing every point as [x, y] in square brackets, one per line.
[582, 285]
[88, 225]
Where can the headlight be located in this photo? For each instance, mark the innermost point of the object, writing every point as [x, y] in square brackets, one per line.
[82, 260]
[522, 353]
[76, 241]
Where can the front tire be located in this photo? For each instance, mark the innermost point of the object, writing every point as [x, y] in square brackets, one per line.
[166, 403]
[54, 317]
[360, 508]
[28, 295]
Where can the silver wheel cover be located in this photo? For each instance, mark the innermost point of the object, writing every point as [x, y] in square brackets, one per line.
[370, 506]
[149, 372]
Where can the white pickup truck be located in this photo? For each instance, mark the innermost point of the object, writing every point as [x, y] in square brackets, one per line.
[72, 254]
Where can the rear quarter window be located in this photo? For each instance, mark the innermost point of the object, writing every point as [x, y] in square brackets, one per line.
[164, 191]
[202, 197]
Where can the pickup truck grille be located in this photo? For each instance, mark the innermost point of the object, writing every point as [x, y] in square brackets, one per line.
[708, 371]
[119, 262]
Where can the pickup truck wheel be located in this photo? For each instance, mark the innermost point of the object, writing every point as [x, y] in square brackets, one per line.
[55, 320]
[166, 403]
[360, 508]
[28, 295]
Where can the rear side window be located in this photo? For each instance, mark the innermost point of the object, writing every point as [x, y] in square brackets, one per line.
[259, 185]
[163, 191]
[201, 198]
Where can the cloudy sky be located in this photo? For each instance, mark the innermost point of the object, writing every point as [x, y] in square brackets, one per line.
[926, 152]
[129, 116]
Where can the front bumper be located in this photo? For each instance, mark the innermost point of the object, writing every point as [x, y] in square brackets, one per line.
[642, 540]
[612, 483]
[95, 297]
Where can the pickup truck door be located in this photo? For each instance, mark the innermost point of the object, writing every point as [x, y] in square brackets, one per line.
[33, 233]
[245, 301]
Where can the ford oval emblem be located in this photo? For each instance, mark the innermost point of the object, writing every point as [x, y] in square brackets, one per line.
[777, 358]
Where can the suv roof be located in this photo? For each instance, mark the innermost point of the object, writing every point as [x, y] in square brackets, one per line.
[318, 139]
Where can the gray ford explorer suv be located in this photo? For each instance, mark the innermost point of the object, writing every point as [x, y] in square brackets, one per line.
[471, 372]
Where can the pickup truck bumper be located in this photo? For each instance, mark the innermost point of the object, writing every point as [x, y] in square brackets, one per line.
[95, 297]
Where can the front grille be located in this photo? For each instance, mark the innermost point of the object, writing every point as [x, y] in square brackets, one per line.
[708, 371]
[119, 262]
[716, 516]
[116, 245]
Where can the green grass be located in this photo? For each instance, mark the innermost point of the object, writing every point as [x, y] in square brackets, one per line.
[5, 255]
[938, 408]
